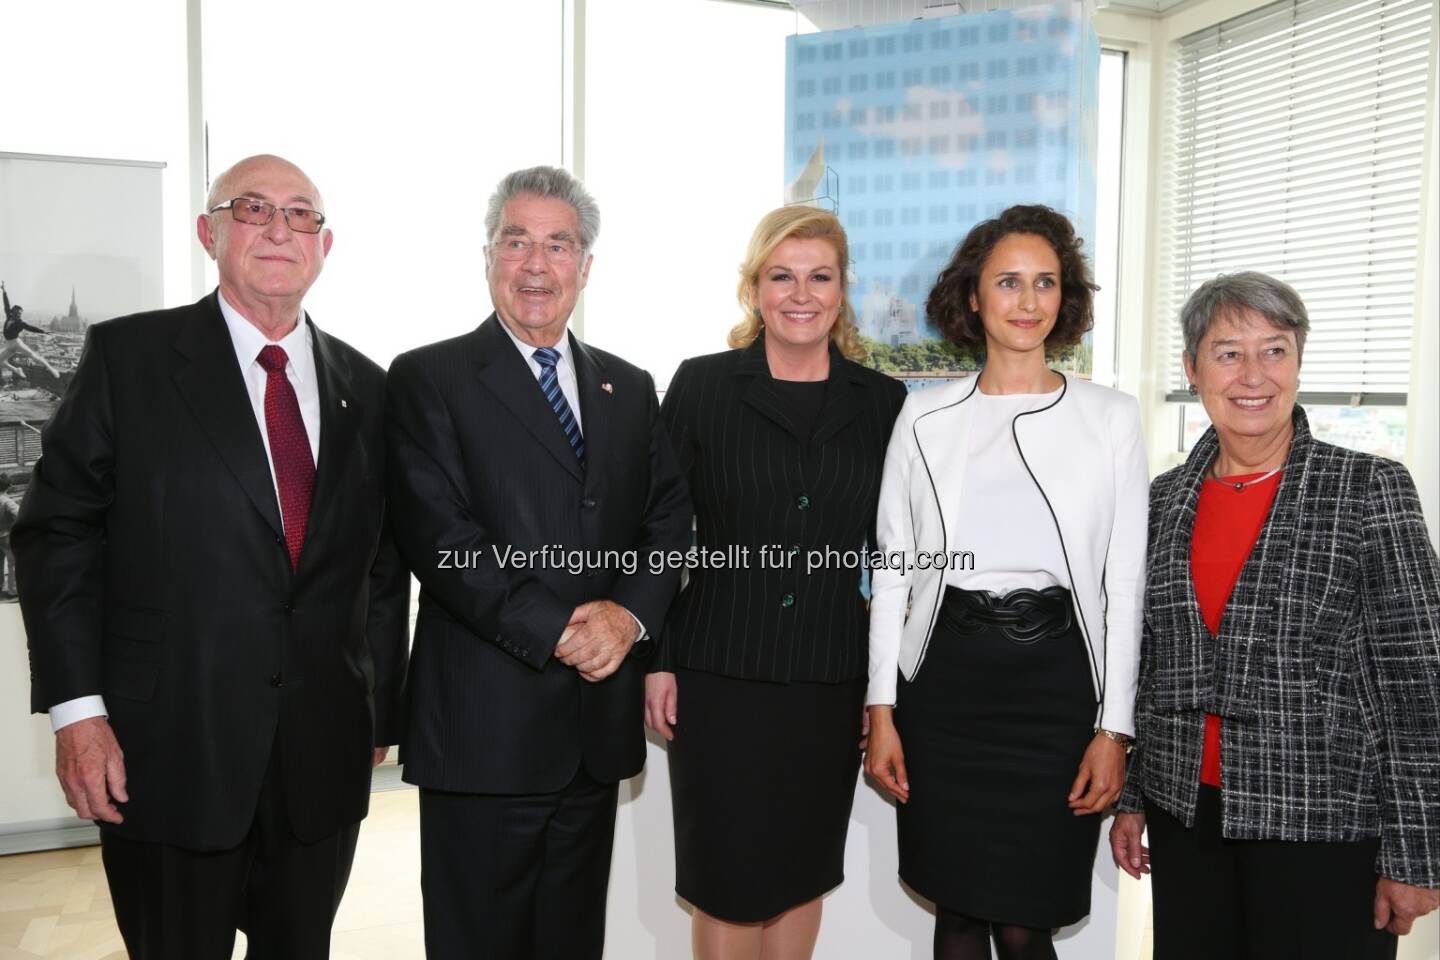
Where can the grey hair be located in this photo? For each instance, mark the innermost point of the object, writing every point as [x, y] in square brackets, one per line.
[551, 182]
[1273, 299]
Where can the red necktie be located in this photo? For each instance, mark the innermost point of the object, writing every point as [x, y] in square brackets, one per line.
[289, 450]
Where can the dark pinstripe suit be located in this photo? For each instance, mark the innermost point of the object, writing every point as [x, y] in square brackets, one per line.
[480, 462]
[517, 754]
[755, 483]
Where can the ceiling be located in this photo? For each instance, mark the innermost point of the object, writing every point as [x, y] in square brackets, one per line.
[841, 14]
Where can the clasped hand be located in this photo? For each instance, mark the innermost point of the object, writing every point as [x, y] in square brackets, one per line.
[597, 639]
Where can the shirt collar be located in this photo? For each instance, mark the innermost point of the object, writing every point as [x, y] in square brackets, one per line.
[249, 341]
[528, 351]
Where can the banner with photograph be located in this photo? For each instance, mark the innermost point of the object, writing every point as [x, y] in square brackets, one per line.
[80, 241]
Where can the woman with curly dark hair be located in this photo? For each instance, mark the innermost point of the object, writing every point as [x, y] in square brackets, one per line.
[1018, 499]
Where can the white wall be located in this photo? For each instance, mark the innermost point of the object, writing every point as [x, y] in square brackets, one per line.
[114, 89]
[406, 111]
[684, 150]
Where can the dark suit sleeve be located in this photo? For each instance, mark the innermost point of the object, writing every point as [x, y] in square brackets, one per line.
[1400, 597]
[431, 514]
[387, 636]
[59, 540]
[665, 527]
[676, 419]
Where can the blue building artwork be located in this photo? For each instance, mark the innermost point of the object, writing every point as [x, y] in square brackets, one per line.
[913, 132]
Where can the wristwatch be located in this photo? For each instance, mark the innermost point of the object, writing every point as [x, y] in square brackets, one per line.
[1127, 742]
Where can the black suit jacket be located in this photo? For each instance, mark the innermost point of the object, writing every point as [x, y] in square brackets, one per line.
[152, 570]
[757, 483]
[480, 466]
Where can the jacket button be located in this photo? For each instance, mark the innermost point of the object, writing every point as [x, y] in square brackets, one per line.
[280, 541]
[277, 681]
[588, 503]
[288, 607]
[802, 502]
[788, 600]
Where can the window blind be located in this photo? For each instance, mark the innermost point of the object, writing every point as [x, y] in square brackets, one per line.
[1295, 148]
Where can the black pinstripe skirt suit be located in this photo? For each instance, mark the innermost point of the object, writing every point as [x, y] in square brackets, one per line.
[770, 648]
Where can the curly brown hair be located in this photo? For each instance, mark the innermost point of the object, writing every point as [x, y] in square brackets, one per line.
[948, 305]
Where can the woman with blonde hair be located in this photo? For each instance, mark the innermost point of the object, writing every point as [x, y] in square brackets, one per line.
[759, 681]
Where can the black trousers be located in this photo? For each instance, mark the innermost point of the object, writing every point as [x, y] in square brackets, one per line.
[517, 877]
[177, 904]
[1259, 899]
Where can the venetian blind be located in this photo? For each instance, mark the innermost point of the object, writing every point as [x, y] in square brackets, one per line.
[1296, 148]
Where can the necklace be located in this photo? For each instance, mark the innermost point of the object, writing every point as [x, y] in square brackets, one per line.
[1242, 484]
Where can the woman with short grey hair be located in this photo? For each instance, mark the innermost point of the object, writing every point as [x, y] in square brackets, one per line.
[1287, 759]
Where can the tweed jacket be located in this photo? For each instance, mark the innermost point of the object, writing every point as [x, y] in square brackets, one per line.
[1326, 671]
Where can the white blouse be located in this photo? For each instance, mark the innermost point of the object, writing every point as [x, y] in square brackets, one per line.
[1002, 518]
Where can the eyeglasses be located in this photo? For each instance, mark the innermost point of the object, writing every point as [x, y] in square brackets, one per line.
[259, 213]
[555, 251]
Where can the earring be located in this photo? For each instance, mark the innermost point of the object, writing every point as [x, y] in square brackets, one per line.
[1194, 390]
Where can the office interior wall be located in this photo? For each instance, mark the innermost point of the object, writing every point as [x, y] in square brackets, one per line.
[405, 117]
[115, 89]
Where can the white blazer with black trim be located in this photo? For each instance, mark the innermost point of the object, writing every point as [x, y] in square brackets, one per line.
[1085, 454]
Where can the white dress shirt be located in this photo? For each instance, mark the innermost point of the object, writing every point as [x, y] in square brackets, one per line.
[300, 369]
[1002, 518]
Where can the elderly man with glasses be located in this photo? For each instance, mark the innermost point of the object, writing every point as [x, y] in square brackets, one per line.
[532, 487]
[216, 613]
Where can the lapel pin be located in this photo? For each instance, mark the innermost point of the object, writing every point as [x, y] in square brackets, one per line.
[607, 388]
[344, 404]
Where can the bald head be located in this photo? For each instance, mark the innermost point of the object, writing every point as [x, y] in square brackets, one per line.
[266, 267]
[223, 186]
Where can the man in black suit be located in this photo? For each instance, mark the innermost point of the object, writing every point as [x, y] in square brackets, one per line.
[511, 446]
[215, 613]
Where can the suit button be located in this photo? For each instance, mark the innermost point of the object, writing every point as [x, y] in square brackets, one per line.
[280, 541]
[788, 600]
[289, 607]
[277, 681]
[588, 503]
[802, 502]
[524, 654]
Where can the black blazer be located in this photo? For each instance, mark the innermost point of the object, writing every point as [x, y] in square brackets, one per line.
[153, 571]
[757, 483]
[480, 464]
[1325, 670]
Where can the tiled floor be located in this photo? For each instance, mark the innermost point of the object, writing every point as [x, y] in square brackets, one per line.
[55, 905]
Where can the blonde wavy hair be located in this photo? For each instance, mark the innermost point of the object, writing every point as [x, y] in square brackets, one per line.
[800, 223]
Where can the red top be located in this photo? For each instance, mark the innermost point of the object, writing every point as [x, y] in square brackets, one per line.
[1227, 524]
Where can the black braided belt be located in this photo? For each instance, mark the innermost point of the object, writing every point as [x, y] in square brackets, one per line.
[1024, 616]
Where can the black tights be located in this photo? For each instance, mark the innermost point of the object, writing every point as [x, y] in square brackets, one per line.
[958, 937]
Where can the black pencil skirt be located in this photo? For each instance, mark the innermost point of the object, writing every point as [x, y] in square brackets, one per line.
[993, 729]
[762, 777]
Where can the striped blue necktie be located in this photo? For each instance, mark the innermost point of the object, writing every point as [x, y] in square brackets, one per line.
[547, 357]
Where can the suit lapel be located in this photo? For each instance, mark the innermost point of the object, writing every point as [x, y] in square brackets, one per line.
[761, 393]
[506, 374]
[595, 404]
[842, 405]
[340, 415]
[212, 386]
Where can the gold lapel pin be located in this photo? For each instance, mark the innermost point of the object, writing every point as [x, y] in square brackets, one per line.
[607, 388]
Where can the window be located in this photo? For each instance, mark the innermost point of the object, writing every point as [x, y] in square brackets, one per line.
[1296, 162]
